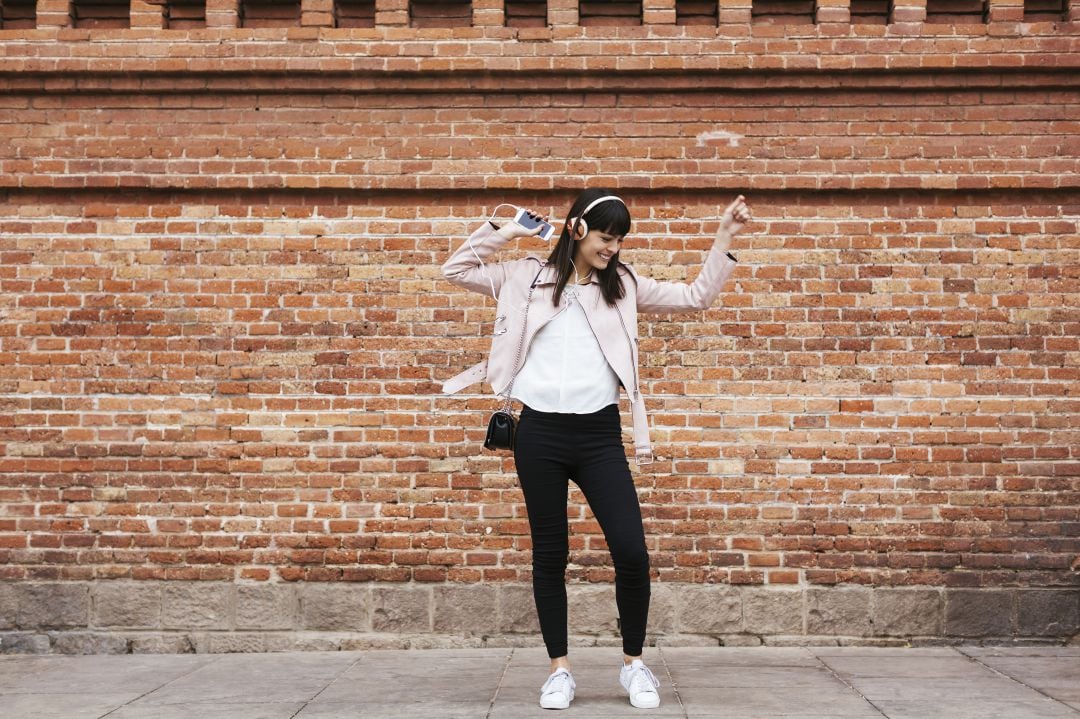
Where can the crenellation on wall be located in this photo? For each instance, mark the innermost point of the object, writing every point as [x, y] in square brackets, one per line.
[148, 15]
[317, 13]
[489, 13]
[54, 15]
[907, 15]
[658, 12]
[659, 18]
[1004, 11]
[223, 15]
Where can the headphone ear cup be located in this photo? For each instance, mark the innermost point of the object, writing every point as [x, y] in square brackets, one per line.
[582, 227]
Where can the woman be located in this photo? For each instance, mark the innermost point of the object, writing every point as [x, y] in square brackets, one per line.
[565, 342]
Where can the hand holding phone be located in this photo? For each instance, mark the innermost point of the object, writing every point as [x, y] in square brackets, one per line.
[531, 222]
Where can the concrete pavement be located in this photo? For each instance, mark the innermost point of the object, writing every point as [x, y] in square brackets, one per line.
[1034, 682]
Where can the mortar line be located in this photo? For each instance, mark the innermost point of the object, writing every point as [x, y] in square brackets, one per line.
[328, 684]
[671, 681]
[191, 671]
[846, 683]
[506, 668]
[1010, 677]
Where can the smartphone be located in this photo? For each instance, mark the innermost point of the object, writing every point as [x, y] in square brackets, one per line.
[522, 218]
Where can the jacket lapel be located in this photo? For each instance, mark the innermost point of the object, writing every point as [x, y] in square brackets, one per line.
[608, 329]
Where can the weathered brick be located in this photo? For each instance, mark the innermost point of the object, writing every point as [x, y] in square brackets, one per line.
[907, 612]
[266, 607]
[9, 605]
[773, 611]
[464, 608]
[1047, 613]
[838, 611]
[401, 609]
[713, 609]
[24, 643]
[335, 607]
[53, 605]
[90, 643]
[128, 605]
[517, 609]
[194, 605]
[592, 609]
[978, 613]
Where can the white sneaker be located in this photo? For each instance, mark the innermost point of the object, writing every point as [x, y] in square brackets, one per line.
[641, 684]
[558, 690]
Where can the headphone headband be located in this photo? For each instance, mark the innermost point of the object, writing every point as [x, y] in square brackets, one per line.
[598, 200]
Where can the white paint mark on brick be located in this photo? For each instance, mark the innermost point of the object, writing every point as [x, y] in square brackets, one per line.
[731, 137]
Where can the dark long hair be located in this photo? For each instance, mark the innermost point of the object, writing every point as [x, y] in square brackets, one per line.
[611, 217]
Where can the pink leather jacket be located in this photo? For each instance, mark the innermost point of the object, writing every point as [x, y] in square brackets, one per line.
[615, 327]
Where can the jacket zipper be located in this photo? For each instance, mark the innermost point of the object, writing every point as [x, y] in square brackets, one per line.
[633, 360]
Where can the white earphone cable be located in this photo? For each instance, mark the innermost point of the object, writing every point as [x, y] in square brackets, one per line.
[491, 218]
[483, 267]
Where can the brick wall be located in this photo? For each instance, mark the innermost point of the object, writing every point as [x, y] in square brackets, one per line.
[223, 328]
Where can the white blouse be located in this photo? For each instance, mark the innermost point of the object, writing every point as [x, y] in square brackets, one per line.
[565, 369]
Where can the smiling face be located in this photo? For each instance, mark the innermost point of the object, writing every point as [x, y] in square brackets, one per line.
[596, 250]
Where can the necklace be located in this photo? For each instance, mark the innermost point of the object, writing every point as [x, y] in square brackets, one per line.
[572, 291]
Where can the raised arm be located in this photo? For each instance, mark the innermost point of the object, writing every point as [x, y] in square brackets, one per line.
[464, 267]
[654, 296]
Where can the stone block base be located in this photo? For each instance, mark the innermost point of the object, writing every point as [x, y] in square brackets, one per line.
[208, 617]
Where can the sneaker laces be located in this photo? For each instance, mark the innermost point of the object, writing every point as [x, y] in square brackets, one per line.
[558, 682]
[642, 680]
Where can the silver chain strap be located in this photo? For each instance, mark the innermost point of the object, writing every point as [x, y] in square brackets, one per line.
[521, 345]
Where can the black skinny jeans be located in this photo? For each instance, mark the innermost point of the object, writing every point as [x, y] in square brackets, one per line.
[551, 449]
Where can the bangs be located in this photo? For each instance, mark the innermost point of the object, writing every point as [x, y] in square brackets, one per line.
[609, 217]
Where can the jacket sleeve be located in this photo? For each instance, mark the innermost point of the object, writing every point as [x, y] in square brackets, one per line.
[654, 296]
[463, 268]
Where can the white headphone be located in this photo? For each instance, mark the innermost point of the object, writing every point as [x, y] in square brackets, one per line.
[580, 221]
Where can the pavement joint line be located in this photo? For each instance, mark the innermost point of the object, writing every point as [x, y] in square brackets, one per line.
[162, 686]
[845, 682]
[506, 668]
[671, 681]
[328, 684]
[1010, 677]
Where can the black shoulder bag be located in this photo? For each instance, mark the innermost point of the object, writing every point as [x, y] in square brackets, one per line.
[502, 426]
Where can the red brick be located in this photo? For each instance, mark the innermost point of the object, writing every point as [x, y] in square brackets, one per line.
[255, 344]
